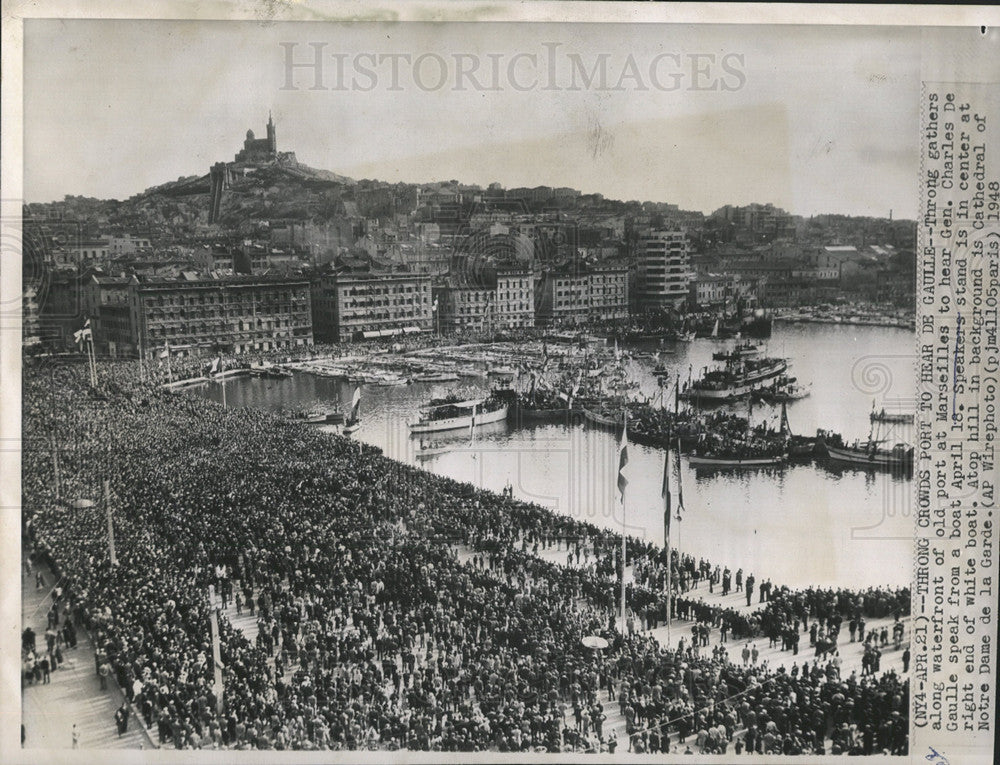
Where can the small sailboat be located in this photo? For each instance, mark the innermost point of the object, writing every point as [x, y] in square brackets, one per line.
[354, 419]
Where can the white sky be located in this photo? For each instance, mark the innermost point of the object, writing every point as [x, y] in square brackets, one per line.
[827, 120]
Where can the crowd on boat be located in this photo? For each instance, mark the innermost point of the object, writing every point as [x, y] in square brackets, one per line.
[373, 633]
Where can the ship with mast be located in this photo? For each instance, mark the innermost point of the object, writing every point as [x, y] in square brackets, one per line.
[869, 453]
[736, 379]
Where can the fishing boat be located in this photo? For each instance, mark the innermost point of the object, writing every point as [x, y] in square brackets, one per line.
[883, 416]
[601, 419]
[735, 380]
[353, 422]
[435, 377]
[317, 417]
[454, 412]
[871, 454]
[733, 459]
[428, 452]
[783, 389]
[758, 447]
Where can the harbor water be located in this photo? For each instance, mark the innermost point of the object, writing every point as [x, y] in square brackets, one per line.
[799, 525]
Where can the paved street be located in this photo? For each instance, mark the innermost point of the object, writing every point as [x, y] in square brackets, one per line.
[74, 695]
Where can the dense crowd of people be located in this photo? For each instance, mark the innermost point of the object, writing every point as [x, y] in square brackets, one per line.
[373, 631]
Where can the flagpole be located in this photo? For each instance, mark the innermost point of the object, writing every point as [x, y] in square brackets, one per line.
[142, 361]
[624, 543]
[111, 527]
[93, 363]
[222, 371]
[666, 534]
[680, 502]
[217, 685]
[55, 464]
[170, 370]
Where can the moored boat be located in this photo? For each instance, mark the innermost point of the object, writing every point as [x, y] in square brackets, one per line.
[735, 380]
[329, 417]
[706, 460]
[454, 412]
[883, 416]
[871, 454]
[435, 377]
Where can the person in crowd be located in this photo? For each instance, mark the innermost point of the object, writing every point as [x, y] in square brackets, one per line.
[405, 610]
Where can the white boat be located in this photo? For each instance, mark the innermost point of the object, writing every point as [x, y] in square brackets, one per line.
[703, 461]
[435, 377]
[453, 415]
[870, 454]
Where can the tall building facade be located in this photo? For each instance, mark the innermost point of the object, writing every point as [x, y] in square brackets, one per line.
[515, 299]
[578, 295]
[662, 270]
[241, 314]
[351, 306]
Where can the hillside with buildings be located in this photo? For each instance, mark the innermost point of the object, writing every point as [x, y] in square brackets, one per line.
[365, 256]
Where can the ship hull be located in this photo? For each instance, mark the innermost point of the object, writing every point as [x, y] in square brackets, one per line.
[601, 420]
[728, 462]
[744, 387]
[867, 458]
[456, 423]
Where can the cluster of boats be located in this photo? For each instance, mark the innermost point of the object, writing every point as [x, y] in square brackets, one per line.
[592, 384]
[738, 324]
[852, 315]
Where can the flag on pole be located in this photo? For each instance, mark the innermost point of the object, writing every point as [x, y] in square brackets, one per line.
[623, 459]
[665, 493]
[355, 405]
[680, 486]
[84, 333]
[165, 353]
[216, 363]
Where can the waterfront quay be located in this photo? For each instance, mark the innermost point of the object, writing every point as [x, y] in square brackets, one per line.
[376, 587]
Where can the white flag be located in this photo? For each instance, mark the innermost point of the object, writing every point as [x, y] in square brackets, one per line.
[83, 334]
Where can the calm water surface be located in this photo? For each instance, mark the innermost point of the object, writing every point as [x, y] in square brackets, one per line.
[802, 525]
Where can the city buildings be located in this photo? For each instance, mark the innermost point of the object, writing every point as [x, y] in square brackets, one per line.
[194, 315]
[723, 290]
[358, 303]
[577, 294]
[662, 270]
[503, 299]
